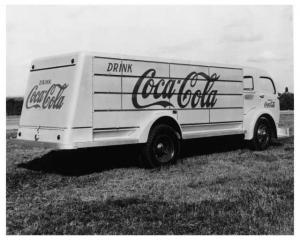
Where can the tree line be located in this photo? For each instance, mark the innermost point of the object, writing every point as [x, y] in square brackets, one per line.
[286, 100]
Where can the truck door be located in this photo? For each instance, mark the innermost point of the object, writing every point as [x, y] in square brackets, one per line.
[267, 94]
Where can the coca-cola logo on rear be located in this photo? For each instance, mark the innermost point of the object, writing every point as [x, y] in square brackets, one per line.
[50, 98]
[184, 90]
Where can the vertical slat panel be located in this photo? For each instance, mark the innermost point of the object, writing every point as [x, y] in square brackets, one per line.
[182, 71]
[227, 73]
[107, 84]
[106, 66]
[193, 116]
[138, 68]
[107, 101]
[224, 115]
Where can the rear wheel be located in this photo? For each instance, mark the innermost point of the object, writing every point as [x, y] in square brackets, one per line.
[162, 147]
[262, 134]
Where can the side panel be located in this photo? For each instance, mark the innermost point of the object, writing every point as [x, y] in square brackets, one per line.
[126, 94]
[223, 87]
[227, 74]
[120, 119]
[115, 114]
[138, 68]
[115, 86]
[198, 102]
[193, 116]
[181, 71]
[107, 101]
[107, 84]
[226, 115]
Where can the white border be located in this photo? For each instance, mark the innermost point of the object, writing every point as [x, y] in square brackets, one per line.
[158, 2]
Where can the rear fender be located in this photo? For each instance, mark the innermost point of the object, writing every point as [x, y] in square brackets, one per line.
[146, 126]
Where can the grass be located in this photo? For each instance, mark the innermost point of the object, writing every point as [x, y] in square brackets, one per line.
[218, 187]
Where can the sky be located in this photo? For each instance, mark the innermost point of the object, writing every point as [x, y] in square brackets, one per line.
[257, 36]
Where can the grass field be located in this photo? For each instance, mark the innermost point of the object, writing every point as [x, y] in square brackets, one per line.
[218, 187]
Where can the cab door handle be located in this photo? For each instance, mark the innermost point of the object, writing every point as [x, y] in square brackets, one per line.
[262, 96]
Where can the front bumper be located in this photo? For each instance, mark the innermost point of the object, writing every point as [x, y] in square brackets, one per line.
[283, 132]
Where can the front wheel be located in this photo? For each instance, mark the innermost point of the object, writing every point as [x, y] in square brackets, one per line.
[262, 134]
[162, 147]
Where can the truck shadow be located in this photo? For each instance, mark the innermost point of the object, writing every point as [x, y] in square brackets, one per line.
[202, 146]
[87, 161]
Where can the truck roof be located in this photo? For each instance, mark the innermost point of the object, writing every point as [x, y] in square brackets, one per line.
[142, 58]
[162, 60]
[247, 70]
[255, 71]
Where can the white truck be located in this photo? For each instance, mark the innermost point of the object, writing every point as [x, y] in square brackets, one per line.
[83, 99]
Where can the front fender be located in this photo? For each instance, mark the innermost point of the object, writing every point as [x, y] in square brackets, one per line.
[251, 118]
[146, 126]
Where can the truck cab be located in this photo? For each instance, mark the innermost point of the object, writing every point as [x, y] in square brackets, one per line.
[260, 102]
[260, 93]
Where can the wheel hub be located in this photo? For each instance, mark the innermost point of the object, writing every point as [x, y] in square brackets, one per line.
[160, 148]
[262, 134]
[164, 149]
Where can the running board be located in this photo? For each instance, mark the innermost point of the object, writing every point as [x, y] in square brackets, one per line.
[211, 133]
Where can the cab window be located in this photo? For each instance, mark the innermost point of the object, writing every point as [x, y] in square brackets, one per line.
[267, 85]
[248, 83]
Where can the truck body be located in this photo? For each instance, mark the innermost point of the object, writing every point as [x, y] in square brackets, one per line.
[88, 99]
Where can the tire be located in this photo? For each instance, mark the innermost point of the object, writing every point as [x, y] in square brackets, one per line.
[162, 147]
[262, 135]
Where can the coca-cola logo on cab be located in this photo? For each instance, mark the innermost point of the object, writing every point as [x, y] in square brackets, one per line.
[185, 90]
[51, 98]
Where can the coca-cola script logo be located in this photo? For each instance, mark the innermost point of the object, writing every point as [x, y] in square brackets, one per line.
[51, 98]
[164, 90]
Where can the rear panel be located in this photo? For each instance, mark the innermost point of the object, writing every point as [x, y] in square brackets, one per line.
[49, 92]
[57, 105]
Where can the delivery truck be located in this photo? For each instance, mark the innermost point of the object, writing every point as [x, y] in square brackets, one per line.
[86, 99]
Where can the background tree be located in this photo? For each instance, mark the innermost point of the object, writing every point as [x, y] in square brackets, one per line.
[14, 106]
[286, 100]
